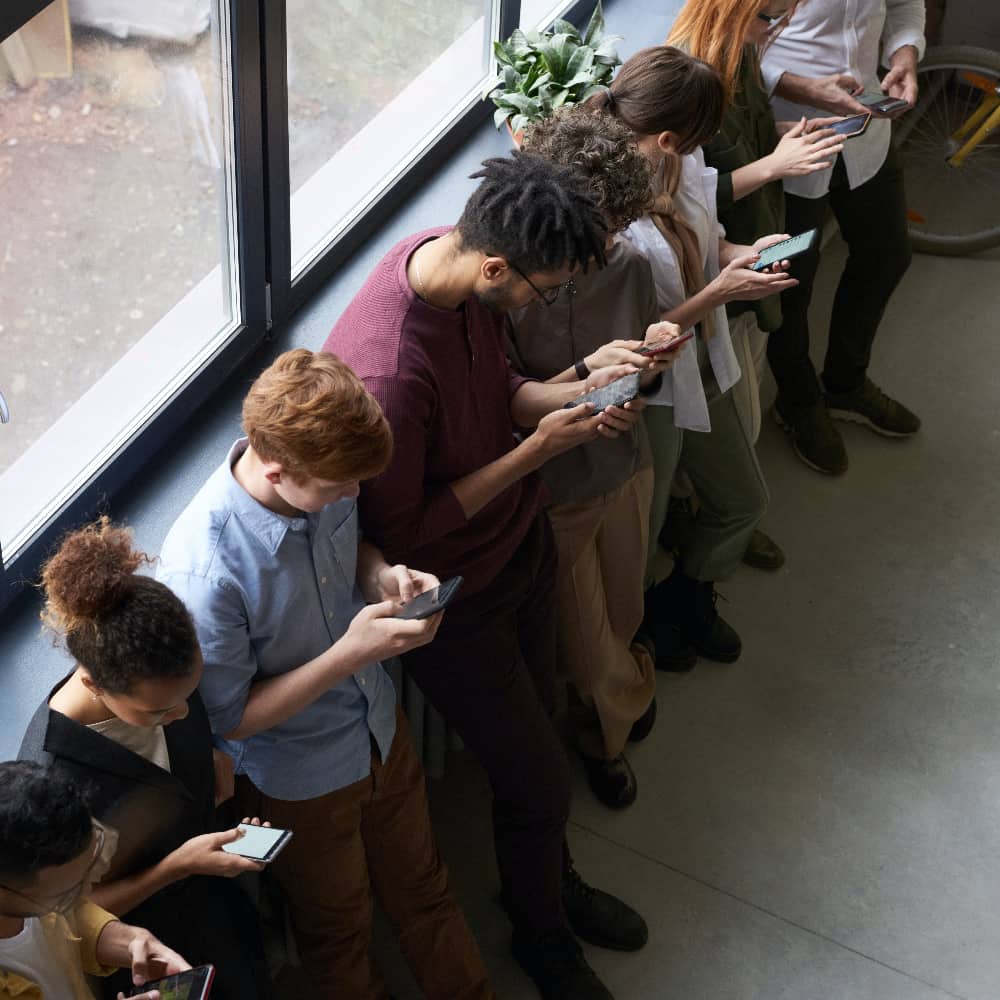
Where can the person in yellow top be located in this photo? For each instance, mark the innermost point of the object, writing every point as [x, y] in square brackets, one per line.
[51, 936]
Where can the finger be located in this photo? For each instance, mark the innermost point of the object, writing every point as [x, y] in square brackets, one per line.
[229, 836]
[605, 431]
[404, 582]
[384, 609]
[745, 262]
[139, 953]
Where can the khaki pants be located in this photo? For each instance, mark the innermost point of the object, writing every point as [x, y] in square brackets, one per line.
[750, 345]
[374, 833]
[599, 601]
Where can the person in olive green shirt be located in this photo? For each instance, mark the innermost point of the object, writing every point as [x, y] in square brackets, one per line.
[752, 154]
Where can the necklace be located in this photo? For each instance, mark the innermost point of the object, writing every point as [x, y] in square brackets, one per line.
[420, 277]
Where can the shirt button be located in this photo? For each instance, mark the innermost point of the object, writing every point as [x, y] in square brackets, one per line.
[322, 579]
[329, 614]
[363, 682]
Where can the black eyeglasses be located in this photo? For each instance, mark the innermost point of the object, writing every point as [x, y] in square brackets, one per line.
[773, 20]
[547, 295]
[65, 901]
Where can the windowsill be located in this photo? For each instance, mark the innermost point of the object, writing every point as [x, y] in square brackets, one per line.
[30, 663]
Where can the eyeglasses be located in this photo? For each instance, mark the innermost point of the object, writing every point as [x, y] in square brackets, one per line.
[547, 295]
[774, 21]
[66, 900]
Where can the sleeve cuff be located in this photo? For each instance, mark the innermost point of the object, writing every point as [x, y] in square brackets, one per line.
[894, 42]
[771, 75]
[724, 193]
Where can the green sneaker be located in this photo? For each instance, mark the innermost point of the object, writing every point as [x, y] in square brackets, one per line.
[815, 440]
[869, 405]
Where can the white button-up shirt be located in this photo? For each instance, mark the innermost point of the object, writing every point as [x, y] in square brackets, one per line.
[842, 36]
[683, 388]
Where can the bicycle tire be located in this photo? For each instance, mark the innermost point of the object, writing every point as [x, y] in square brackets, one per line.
[935, 67]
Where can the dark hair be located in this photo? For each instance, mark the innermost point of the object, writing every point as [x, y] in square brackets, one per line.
[662, 89]
[603, 150]
[533, 213]
[44, 820]
[121, 626]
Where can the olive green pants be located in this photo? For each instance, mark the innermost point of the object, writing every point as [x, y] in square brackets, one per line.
[727, 479]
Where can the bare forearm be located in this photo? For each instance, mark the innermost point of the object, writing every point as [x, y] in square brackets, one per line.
[751, 177]
[114, 943]
[793, 88]
[276, 699]
[694, 309]
[536, 399]
[125, 894]
[478, 488]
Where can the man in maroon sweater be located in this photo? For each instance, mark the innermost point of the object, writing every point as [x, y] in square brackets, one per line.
[461, 497]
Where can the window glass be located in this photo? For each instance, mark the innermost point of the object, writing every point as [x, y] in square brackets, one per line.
[541, 13]
[117, 278]
[371, 84]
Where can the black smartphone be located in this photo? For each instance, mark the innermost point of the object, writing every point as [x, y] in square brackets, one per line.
[195, 984]
[787, 249]
[853, 126]
[430, 602]
[882, 103]
[665, 346]
[259, 843]
[616, 393]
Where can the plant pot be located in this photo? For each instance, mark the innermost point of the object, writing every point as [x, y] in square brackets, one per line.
[516, 137]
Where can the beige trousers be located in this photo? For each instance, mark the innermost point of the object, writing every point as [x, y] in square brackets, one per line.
[750, 345]
[599, 601]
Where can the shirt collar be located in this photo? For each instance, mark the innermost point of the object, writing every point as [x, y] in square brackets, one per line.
[269, 526]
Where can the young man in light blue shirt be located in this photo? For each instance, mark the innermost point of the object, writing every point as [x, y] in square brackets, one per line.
[294, 613]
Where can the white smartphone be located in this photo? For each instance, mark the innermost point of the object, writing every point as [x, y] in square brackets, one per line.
[259, 843]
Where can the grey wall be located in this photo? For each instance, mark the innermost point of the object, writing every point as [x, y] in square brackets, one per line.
[973, 22]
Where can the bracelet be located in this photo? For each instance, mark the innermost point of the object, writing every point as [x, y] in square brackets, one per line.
[582, 371]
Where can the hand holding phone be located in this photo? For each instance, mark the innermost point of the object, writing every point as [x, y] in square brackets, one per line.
[617, 393]
[852, 127]
[258, 843]
[667, 346]
[882, 104]
[788, 249]
[195, 984]
[430, 602]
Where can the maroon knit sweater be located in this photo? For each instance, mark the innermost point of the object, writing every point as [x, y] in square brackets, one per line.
[444, 384]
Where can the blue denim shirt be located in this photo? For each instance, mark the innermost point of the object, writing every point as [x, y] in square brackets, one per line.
[268, 593]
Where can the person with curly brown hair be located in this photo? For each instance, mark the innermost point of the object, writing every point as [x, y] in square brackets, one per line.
[129, 726]
[600, 492]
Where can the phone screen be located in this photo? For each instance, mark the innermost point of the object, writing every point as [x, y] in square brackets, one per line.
[195, 984]
[785, 250]
[851, 126]
[615, 393]
[256, 842]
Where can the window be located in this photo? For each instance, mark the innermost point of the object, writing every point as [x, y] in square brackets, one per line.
[371, 84]
[117, 279]
[541, 13]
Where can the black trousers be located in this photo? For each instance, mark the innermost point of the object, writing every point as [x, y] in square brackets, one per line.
[491, 673]
[872, 220]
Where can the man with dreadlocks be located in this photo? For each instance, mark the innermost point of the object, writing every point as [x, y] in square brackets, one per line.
[461, 497]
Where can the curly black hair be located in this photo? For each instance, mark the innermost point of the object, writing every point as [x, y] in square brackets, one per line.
[121, 626]
[44, 820]
[603, 149]
[534, 213]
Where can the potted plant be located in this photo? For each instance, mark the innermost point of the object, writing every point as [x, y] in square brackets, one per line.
[541, 72]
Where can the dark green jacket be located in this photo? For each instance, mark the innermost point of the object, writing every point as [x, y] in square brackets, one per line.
[748, 133]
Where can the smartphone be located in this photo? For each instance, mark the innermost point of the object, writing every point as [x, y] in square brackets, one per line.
[616, 393]
[259, 843]
[853, 126]
[882, 103]
[430, 602]
[665, 346]
[195, 984]
[787, 249]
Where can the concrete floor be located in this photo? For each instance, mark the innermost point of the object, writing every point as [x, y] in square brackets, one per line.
[820, 821]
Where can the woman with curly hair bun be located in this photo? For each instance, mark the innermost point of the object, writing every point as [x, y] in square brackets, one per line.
[129, 727]
[600, 491]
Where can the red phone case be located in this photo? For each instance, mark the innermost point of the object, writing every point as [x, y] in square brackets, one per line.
[670, 345]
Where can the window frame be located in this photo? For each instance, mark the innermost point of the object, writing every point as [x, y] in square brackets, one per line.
[258, 40]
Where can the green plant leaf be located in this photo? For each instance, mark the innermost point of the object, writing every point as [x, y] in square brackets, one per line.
[562, 27]
[580, 62]
[519, 123]
[500, 116]
[595, 26]
[557, 54]
[560, 99]
[595, 88]
[521, 102]
[501, 54]
[536, 85]
[519, 45]
[607, 51]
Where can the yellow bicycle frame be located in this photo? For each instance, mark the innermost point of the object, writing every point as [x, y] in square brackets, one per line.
[984, 120]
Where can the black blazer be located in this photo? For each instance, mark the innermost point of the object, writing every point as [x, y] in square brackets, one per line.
[153, 810]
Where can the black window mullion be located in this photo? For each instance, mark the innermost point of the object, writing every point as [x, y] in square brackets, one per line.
[15, 14]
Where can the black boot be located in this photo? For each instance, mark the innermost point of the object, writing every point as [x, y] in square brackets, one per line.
[598, 917]
[674, 651]
[554, 960]
[691, 605]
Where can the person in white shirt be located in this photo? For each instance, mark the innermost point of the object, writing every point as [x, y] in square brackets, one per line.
[824, 59]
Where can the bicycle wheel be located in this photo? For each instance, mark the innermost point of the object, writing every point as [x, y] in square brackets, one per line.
[952, 209]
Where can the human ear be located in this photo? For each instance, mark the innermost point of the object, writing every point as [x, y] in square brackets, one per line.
[669, 142]
[494, 268]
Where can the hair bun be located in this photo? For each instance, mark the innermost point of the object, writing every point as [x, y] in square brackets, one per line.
[89, 575]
